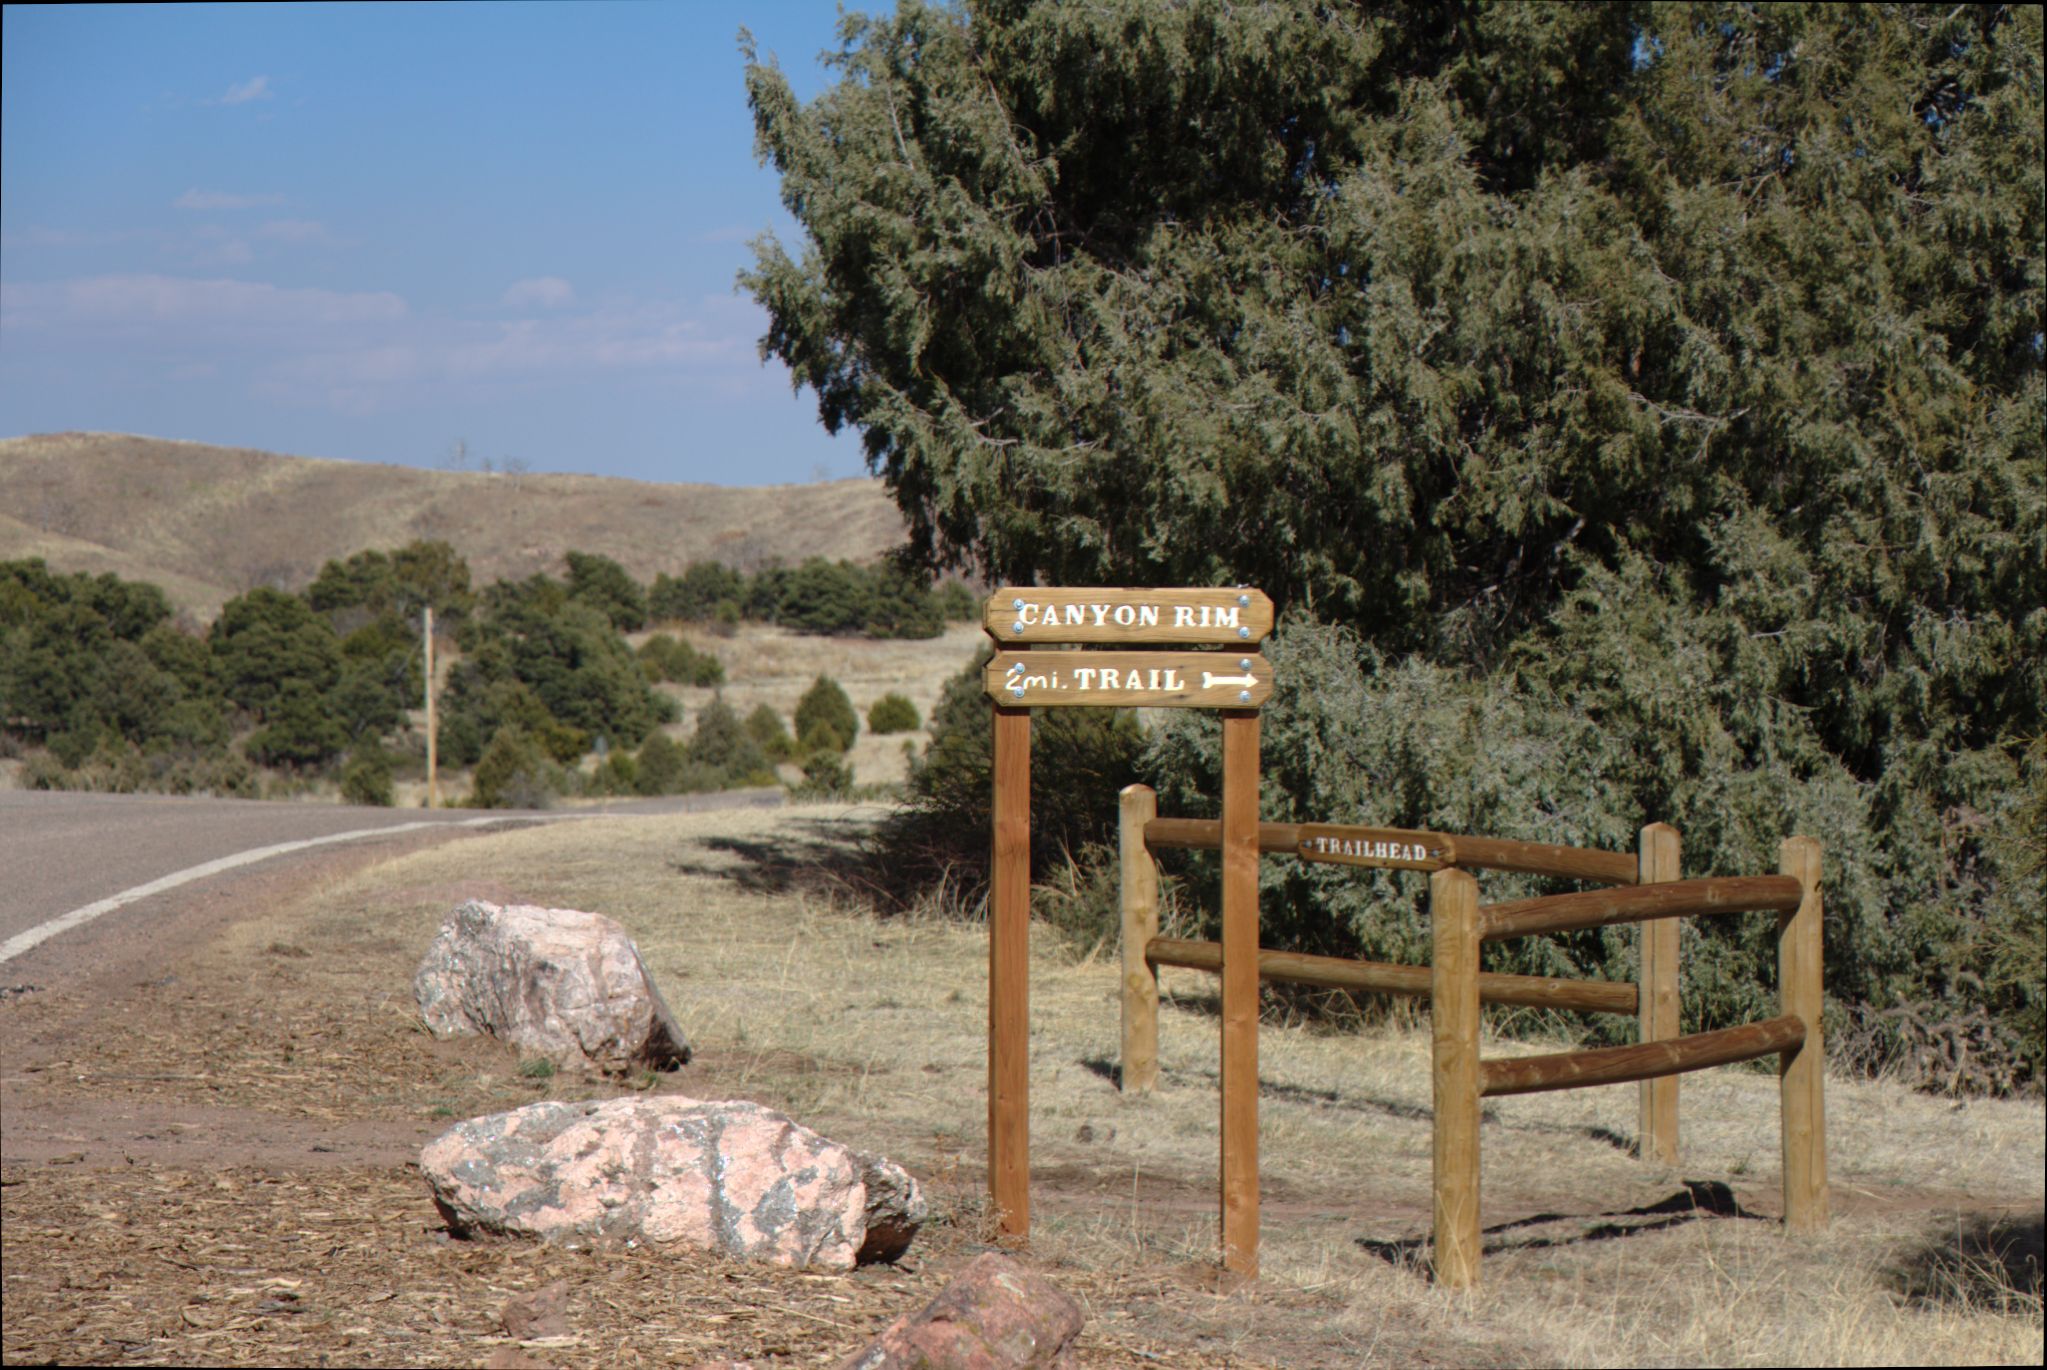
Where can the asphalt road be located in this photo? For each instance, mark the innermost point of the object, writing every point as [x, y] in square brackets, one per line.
[63, 852]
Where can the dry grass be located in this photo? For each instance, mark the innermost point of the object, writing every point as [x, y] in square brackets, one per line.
[208, 523]
[872, 1031]
[774, 666]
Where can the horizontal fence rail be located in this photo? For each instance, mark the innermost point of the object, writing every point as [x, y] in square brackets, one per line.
[1378, 977]
[1643, 1061]
[1487, 853]
[1644, 887]
[1207, 834]
[1596, 908]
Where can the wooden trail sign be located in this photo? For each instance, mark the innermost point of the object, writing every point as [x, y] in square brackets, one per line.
[1235, 680]
[1394, 848]
[1128, 618]
[1129, 680]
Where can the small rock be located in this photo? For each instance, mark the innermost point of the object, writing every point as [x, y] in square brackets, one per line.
[995, 1315]
[895, 1209]
[541, 1313]
[731, 1177]
[559, 983]
[512, 1358]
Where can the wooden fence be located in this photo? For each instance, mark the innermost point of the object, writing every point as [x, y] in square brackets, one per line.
[1644, 888]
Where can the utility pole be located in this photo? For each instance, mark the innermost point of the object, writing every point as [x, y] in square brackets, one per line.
[433, 781]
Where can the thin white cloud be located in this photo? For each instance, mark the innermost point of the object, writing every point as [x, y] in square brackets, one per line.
[177, 309]
[58, 237]
[309, 232]
[543, 292]
[255, 88]
[365, 351]
[226, 252]
[225, 199]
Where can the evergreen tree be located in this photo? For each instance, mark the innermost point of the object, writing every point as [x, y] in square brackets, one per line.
[697, 595]
[723, 752]
[825, 717]
[770, 734]
[266, 639]
[603, 584]
[1673, 371]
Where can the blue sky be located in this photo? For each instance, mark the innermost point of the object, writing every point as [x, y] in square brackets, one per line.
[373, 231]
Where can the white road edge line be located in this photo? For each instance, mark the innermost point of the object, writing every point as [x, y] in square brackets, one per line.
[35, 936]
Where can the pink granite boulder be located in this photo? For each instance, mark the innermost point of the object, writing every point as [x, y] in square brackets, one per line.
[995, 1315]
[731, 1177]
[558, 983]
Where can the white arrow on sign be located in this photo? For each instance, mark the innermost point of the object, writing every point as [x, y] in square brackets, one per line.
[1208, 679]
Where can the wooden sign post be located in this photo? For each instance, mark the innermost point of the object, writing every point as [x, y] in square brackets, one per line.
[1235, 680]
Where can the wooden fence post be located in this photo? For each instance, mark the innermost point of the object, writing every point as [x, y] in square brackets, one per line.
[433, 775]
[1240, 991]
[1140, 1073]
[1009, 984]
[1657, 1017]
[1801, 1074]
[1454, 1023]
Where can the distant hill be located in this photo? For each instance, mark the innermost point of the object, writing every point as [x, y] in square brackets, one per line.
[208, 523]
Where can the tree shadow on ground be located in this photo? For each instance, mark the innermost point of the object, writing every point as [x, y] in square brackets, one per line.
[808, 856]
[1982, 1262]
[1698, 1199]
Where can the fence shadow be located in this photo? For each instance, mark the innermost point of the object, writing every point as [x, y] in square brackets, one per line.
[1984, 1262]
[1698, 1199]
[1110, 1069]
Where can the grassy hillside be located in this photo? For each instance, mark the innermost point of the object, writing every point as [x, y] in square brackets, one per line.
[208, 523]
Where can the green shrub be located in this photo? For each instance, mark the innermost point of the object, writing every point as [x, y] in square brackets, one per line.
[301, 730]
[70, 747]
[603, 584]
[265, 641]
[515, 773]
[664, 657]
[617, 773]
[956, 603]
[825, 776]
[820, 737]
[366, 779]
[705, 591]
[723, 753]
[893, 713]
[768, 732]
[825, 597]
[43, 771]
[2017, 935]
[1350, 736]
[660, 765]
[1080, 760]
[824, 709]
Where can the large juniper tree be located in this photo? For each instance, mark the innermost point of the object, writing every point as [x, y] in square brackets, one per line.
[1678, 367]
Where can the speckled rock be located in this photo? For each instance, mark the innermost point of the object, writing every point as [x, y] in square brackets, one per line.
[558, 983]
[731, 1177]
[995, 1315]
[895, 1208]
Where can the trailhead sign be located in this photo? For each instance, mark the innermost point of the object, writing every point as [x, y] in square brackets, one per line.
[1230, 677]
[1390, 848]
[1128, 680]
[1215, 617]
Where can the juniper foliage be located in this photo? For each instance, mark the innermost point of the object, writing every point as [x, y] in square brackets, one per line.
[1654, 390]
